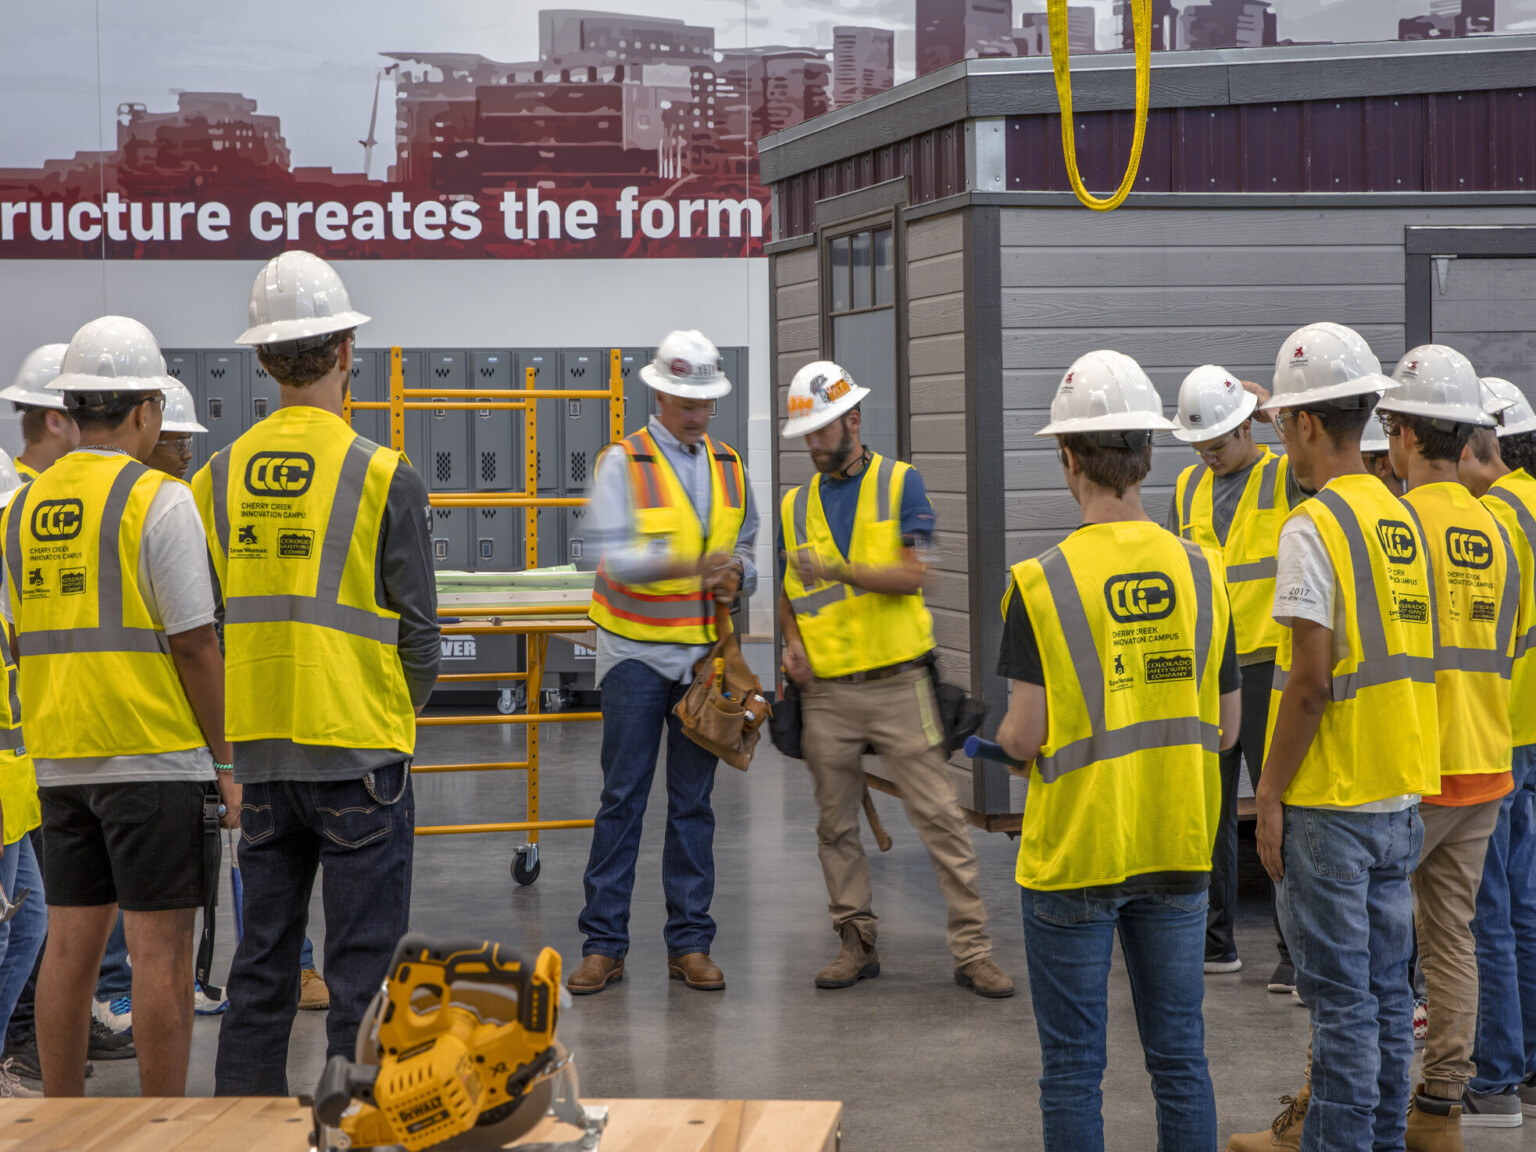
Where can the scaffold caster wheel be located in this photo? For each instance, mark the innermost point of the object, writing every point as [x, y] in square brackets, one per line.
[525, 864]
[510, 700]
[558, 699]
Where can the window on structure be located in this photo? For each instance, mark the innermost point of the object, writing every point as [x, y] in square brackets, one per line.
[861, 271]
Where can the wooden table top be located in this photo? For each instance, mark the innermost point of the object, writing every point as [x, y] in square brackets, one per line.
[281, 1124]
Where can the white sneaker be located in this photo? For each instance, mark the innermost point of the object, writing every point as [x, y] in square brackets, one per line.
[204, 1004]
[116, 1014]
[11, 1087]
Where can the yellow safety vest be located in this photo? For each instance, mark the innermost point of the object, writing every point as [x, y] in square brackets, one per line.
[97, 678]
[1250, 546]
[1477, 605]
[845, 629]
[18, 776]
[26, 472]
[1379, 736]
[294, 510]
[1131, 623]
[674, 611]
[1512, 499]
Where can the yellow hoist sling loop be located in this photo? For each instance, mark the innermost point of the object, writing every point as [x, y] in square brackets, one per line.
[1141, 18]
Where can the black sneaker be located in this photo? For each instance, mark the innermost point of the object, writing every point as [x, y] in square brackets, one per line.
[21, 1051]
[109, 1045]
[1284, 979]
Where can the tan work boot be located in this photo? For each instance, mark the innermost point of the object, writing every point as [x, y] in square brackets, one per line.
[856, 961]
[1434, 1125]
[314, 996]
[696, 970]
[594, 973]
[1285, 1132]
[985, 978]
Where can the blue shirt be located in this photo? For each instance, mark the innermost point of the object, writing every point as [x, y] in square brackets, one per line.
[840, 502]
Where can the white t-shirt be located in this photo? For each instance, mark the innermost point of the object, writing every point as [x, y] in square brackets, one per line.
[1306, 588]
[174, 581]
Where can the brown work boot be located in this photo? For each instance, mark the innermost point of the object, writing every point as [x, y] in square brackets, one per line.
[1285, 1132]
[985, 978]
[857, 960]
[696, 970]
[595, 973]
[314, 996]
[1434, 1125]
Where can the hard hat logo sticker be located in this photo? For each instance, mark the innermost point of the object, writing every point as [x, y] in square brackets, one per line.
[1139, 597]
[1397, 540]
[57, 519]
[285, 474]
[1468, 548]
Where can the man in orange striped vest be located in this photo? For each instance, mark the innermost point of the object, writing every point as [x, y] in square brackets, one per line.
[674, 513]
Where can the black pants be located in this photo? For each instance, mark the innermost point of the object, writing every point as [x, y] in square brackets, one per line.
[1219, 941]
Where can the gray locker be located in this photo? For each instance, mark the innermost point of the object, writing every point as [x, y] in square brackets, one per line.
[495, 435]
[552, 537]
[580, 550]
[546, 363]
[585, 421]
[264, 395]
[497, 544]
[448, 428]
[730, 419]
[182, 365]
[450, 538]
[366, 385]
[639, 400]
[223, 396]
[415, 422]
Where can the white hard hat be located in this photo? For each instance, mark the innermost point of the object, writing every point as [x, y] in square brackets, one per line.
[30, 386]
[687, 364]
[1373, 439]
[1437, 383]
[1504, 401]
[1322, 362]
[1106, 392]
[112, 354]
[1212, 402]
[10, 479]
[298, 296]
[180, 411]
[818, 395]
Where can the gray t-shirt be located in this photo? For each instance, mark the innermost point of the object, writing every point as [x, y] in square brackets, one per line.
[1226, 494]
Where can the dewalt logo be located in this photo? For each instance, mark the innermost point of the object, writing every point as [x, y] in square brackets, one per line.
[1139, 597]
[286, 474]
[1397, 540]
[1468, 548]
[57, 519]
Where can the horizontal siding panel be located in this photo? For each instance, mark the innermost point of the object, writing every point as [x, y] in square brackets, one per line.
[955, 665]
[788, 363]
[937, 315]
[799, 333]
[1486, 315]
[796, 267]
[937, 394]
[1056, 510]
[941, 471]
[949, 590]
[1025, 545]
[1174, 347]
[936, 356]
[798, 300]
[1036, 471]
[934, 235]
[951, 629]
[936, 275]
[938, 433]
[1064, 266]
[1208, 307]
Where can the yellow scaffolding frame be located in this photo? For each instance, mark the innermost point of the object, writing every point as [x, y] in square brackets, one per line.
[537, 631]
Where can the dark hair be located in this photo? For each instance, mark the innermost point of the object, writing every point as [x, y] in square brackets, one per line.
[1485, 445]
[106, 410]
[34, 423]
[1106, 466]
[1519, 451]
[300, 369]
[1343, 423]
[1436, 442]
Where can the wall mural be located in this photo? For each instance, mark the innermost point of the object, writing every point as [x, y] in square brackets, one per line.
[568, 133]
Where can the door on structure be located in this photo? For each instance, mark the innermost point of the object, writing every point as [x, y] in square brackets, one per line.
[1486, 309]
[860, 300]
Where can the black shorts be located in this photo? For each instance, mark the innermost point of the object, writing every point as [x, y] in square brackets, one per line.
[139, 845]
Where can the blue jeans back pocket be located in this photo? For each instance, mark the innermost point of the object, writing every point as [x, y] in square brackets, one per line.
[1334, 847]
[1066, 908]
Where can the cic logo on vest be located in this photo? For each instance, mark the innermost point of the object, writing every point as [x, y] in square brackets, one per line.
[1139, 597]
[1397, 541]
[57, 519]
[1468, 548]
[285, 474]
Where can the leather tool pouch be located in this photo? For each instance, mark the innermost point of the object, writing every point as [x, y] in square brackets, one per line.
[724, 708]
[961, 714]
[784, 727]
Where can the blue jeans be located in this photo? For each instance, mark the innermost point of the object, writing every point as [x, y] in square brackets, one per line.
[362, 832]
[116, 977]
[307, 954]
[21, 938]
[1505, 931]
[1347, 913]
[1069, 940]
[637, 704]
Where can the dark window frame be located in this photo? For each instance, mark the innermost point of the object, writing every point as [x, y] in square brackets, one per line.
[1424, 244]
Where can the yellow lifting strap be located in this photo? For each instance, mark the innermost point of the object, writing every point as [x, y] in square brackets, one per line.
[1141, 18]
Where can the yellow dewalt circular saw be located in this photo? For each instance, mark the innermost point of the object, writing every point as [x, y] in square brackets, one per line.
[457, 1051]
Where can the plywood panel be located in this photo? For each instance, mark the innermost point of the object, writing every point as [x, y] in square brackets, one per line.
[937, 315]
[936, 275]
[1208, 307]
[1066, 266]
[933, 235]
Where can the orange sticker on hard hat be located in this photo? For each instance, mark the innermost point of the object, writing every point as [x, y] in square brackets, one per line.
[801, 405]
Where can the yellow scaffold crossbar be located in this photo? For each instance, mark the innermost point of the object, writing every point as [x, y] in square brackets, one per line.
[1061, 65]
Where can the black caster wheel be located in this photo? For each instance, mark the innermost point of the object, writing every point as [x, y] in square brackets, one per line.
[524, 871]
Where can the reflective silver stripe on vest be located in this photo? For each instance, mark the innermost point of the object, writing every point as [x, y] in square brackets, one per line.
[1255, 570]
[324, 609]
[883, 476]
[813, 602]
[1267, 484]
[1429, 573]
[1527, 523]
[14, 695]
[1195, 477]
[686, 611]
[105, 637]
[1104, 744]
[218, 476]
[11, 740]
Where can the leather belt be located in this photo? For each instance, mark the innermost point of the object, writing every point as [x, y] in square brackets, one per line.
[872, 674]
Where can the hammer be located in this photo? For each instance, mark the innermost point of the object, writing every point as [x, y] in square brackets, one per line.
[882, 837]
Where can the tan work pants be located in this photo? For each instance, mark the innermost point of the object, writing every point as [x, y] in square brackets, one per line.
[900, 719]
[1445, 898]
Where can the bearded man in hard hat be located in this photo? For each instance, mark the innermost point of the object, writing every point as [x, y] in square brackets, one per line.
[319, 540]
[1500, 468]
[122, 687]
[1121, 650]
[676, 522]
[858, 640]
[1353, 743]
[1234, 501]
[46, 425]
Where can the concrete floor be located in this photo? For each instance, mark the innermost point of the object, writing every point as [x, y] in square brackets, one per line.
[918, 1062]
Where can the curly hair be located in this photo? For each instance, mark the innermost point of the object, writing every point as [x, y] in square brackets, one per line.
[302, 369]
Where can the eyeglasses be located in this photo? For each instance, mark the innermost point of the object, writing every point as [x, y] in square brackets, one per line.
[1389, 423]
[1219, 447]
[182, 447]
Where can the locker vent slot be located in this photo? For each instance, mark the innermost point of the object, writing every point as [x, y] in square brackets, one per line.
[487, 371]
[578, 513]
[487, 467]
[488, 513]
[443, 513]
[578, 467]
[444, 467]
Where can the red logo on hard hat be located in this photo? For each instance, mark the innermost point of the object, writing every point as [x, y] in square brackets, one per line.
[1230, 385]
[680, 367]
[1413, 366]
[1299, 353]
[1068, 380]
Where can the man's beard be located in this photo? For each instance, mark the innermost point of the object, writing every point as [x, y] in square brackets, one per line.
[837, 460]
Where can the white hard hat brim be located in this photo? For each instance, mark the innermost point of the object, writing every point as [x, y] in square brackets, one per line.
[797, 426]
[181, 426]
[1359, 386]
[1118, 422]
[1519, 427]
[1457, 413]
[659, 383]
[1244, 410]
[283, 331]
[33, 399]
[84, 382]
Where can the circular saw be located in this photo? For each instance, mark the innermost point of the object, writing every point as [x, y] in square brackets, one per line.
[457, 1051]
